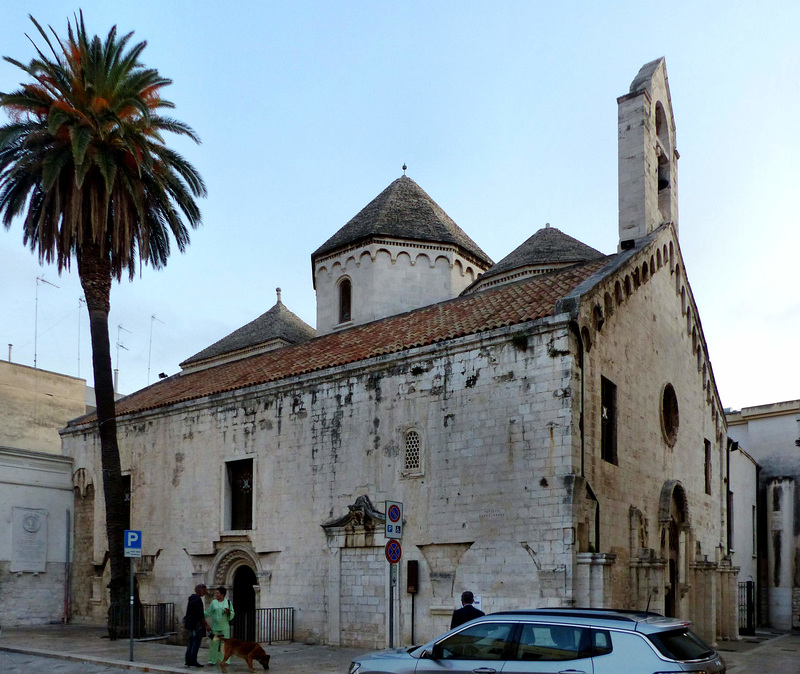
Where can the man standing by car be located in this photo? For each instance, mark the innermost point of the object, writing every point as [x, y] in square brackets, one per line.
[195, 622]
[467, 611]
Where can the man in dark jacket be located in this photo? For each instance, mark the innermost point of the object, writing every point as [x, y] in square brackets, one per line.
[467, 611]
[196, 623]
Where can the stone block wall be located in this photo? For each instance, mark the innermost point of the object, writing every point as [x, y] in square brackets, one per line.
[34, 592]
[411, 275]
[494, 418]
[32, 598]
[642, 332]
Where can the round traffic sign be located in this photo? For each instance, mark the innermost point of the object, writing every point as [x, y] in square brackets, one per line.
[394, 513]
[393, 551]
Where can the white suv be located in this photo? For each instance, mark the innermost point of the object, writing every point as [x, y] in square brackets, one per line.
[567, 641]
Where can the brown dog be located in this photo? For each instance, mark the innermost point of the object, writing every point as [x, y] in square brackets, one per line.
[249, 650]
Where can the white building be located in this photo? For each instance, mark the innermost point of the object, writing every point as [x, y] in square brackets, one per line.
[551, 424]
[771, 435]
[36, 498]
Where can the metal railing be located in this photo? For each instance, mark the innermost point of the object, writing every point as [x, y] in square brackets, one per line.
[149, 620]
[264, 625]
[747, 608]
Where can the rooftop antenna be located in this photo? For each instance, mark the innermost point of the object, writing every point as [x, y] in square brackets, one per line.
[150, 348]
[81, 302]
[39, 281]
[120, 345]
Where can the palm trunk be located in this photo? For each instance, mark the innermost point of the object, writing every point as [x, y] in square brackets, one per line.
[94, 270]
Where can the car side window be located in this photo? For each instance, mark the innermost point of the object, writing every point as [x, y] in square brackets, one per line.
[486, 641]
[553, 642]
[601, 642]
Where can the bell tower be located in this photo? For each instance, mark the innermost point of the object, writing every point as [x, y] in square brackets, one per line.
[648, 159]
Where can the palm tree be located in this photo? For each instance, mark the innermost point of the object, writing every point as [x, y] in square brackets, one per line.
[84, 164]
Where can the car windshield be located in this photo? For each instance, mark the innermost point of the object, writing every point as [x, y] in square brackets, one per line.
[681, 644]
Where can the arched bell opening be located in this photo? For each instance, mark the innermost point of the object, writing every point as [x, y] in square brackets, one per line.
[664, 154]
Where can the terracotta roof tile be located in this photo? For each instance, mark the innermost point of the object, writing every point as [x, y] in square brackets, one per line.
[506, 305]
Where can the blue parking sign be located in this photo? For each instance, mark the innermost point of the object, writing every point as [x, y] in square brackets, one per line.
[133, 543]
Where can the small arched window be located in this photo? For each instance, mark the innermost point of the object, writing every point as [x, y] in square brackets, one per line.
[345, 301]
[670, 419]
[412, 462]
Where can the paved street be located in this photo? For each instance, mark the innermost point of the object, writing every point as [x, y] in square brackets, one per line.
[22, 663]
[780, 655]
[77, 644]
[74, 648]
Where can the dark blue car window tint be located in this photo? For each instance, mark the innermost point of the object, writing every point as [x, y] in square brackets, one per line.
[486, 641]
[601, 642]
[553, 642]
[681, 644]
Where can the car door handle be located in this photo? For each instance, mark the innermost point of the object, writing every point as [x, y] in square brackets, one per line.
[484, 670]
[572, 671]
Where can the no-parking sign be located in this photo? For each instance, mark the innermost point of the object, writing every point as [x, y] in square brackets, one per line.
[394, 519]
[393, 552]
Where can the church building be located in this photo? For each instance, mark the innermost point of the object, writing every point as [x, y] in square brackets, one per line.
[550, 423]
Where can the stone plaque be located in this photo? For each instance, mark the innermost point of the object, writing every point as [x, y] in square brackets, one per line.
[29, 543]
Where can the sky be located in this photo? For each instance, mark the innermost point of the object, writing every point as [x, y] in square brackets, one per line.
[505, 114]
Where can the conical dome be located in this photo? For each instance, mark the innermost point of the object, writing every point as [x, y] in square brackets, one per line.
[547, 249]
[399, 253]
[277, 327]
[402, 211]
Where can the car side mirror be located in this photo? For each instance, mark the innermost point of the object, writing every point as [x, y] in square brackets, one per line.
[437, 652]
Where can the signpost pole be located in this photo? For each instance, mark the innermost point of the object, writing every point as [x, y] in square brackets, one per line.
[391, 608]
[130, 625]
[133, 548]
[394, 532]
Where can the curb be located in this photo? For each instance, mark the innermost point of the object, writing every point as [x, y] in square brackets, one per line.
[109, 662]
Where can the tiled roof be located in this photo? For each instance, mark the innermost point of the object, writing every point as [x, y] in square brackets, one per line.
[277, 323]
[547, 246]
[506, 305]
[403, 211]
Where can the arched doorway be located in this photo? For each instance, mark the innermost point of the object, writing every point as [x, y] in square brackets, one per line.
[244, 604]
[674, 517]
[670, 599]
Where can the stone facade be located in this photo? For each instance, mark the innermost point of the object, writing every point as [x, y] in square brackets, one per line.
[34, 564]
[36, 505]
[771, 434]
[744, 526]
[35, 405]
[648, 156]
[329, 439]
[425, 274]
[556, 439]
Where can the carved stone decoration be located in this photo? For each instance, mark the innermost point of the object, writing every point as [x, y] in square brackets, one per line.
[360, 514]
[29, 540]
[81, 481]
[673, 488]
[229, 560]
[443, 560]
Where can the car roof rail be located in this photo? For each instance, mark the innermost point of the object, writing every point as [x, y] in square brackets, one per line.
[624, 615]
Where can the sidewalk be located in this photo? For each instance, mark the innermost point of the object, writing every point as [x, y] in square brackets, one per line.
[768, 651]
[83, 643]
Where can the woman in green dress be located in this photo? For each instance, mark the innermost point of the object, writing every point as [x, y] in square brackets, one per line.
[220, 613]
